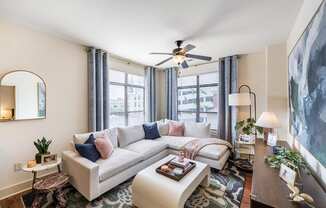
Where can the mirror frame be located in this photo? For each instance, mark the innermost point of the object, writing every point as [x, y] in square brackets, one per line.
[5, 74]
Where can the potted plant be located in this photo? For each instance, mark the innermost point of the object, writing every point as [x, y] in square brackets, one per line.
[42, 146]
[287, 156]
[247, 129]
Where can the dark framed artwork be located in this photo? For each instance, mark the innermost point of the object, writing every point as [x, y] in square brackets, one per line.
[307, 87]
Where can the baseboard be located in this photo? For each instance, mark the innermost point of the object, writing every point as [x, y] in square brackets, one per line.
[15, 189]
[18, 188]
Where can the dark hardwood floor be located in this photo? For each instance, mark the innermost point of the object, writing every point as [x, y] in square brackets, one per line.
[13, 201]
[16, 202]
[245, 203]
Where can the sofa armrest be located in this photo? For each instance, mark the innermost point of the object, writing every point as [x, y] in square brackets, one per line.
[84, 174]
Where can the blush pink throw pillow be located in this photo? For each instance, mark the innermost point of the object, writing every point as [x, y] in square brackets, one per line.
[176, 129]
[104, 147]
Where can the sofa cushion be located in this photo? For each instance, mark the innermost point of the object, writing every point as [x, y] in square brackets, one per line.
[130, 134]
[147, 148]
[120, 160]
[175, 142]
[104, 147]
[90, 140]
[107, 133]
[163, 128]
[176, 129]
[151, 131]
[198, 130]
[214, 152]
[88, 149]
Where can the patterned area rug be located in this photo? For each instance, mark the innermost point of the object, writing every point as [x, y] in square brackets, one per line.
[225, 191]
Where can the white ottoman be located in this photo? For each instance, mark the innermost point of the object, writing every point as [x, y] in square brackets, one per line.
[152, 190]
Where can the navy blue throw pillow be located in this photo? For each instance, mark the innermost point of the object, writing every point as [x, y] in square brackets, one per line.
[90, 140]
[88, 149]
[151, 131]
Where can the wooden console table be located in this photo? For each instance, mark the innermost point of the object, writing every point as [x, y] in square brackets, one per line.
[268, 190]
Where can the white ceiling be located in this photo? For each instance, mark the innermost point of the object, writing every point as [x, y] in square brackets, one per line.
[133, 28]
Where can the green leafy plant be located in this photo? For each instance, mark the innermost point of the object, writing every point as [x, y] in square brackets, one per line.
[248, 127]
[289, 158]
[42, 145]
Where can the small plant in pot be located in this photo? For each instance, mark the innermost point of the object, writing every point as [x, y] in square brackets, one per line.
[288, 156]
[42, 146]
[247, 129]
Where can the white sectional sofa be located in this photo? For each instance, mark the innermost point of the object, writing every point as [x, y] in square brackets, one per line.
[131, 154]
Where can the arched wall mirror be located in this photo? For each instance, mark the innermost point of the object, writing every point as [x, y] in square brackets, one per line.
[22, 96]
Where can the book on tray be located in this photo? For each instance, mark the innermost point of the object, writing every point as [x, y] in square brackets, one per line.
[182, 164]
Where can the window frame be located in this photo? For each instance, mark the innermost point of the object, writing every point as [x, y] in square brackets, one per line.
[125, 85]
[197, 86]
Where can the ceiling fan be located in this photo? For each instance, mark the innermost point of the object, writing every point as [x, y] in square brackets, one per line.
[179, 55]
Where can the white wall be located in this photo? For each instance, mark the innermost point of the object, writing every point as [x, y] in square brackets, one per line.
[199, 69]
[277, 85]
[252, 72]
[63, 66]
[305, 15]
[120, 64]
[266, 73]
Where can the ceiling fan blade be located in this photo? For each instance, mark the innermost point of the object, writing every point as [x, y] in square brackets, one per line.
[205, 58]
[184, 64]
[161, 54]
[188, 47]
[162, 62]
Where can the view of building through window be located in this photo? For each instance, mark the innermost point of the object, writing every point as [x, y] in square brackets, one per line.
[126, 99]
[198, 98]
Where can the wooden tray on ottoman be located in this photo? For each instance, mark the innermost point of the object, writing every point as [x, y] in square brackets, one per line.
[172, 175]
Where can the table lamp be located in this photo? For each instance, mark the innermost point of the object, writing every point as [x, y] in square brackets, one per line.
[269, 121]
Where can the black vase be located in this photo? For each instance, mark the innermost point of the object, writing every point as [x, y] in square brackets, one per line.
[38, 157]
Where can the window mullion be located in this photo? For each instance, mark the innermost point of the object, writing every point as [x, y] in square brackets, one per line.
[198, 101]
[126, 99]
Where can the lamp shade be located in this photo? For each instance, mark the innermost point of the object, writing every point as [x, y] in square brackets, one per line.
[239, 99]
[268, 120]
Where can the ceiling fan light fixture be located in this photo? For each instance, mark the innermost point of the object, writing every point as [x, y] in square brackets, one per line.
[179, 58]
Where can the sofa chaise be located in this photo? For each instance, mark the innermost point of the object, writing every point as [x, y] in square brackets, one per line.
[131, 154]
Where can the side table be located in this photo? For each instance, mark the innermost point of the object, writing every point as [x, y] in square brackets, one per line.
[53, 183]
[244, 148]
[40, 167]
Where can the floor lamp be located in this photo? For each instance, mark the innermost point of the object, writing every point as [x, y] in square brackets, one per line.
[244, 99]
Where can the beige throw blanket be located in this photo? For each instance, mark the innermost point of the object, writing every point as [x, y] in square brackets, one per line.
[192, 148]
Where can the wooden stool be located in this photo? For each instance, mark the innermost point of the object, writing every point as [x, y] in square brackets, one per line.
[51, 183]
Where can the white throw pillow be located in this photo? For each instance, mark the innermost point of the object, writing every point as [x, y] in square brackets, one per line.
[130, 134]
[198, 130]
[110, 133]
[173, 121]
[163, 128]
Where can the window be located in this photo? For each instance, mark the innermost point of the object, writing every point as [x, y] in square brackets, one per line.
[126, 99]
[198, 98]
